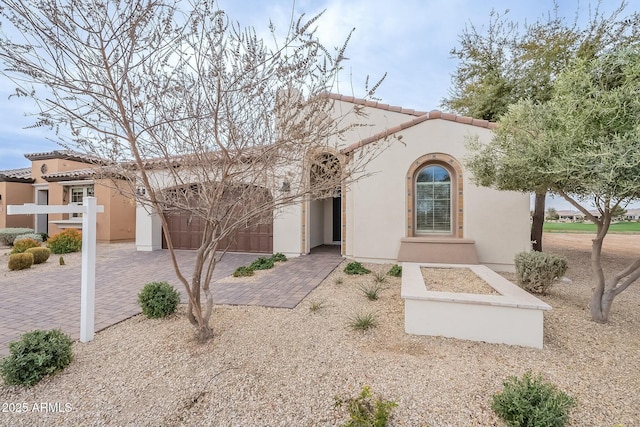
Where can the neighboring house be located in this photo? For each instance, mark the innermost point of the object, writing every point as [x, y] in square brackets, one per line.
[416, 203]
[15, 189]
[60, 178]
[632, 215]
[570, 216]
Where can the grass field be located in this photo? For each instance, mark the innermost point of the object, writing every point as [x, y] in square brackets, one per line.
[587, 227]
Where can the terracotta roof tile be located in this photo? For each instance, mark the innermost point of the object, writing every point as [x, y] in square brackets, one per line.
[72, 174]
[16, 175]
[373, 104]
[65, 154]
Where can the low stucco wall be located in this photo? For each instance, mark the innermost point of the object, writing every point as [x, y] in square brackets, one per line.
[514, 317]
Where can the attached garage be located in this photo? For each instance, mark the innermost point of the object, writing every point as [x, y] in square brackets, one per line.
[186, 233]
[186, 225]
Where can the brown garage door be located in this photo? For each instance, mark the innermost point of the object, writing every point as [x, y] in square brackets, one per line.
[186, 233]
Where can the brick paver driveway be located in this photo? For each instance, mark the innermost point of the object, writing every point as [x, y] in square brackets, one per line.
[46, 300]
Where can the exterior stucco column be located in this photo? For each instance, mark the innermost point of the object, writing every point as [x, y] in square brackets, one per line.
[148, 229]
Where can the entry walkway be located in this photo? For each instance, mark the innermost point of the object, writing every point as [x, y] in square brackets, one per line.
[51, 299]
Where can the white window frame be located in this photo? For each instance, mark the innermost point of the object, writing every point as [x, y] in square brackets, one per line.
[85, 191]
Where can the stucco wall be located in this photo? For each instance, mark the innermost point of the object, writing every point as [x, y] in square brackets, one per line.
[287, 226]
[117, 223]
[377, 218]
[15, 193]
[371, 122]
[316, 224]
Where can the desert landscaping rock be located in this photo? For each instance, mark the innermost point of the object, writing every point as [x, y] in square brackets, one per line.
[455, 280]
[280, 367]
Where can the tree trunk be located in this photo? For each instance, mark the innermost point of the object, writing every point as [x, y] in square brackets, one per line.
[538, 221]
[600, 301]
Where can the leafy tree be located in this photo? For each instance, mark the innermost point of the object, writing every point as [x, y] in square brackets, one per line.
[552, 214]
[618, 212]
[509, 61]
[584, 145]
[192, 108]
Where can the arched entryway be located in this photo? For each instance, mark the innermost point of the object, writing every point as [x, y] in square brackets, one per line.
[323, 213]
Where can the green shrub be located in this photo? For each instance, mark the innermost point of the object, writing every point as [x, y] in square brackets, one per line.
[356, 268]
[363, 321]
[40, 254]
[21, 246]
[158, 299]
[36, 355]
[536, 271]
[531, 402]
[366, 412]
[44, 236]
[262, 263]
[279, 257]
[243, 271]
[372, 292]
[8, 235]
[34, 236]
[395, 271]
[69, 240]
[20, 261]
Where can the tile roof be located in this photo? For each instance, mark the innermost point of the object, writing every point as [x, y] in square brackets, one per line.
[73, 174]
[16, 175]
[67, 155]
[374, 104]
[432, 115]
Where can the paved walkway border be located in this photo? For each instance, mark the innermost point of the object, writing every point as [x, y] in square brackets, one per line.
[51, 299]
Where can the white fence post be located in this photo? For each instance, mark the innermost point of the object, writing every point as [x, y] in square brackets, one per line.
[88, 286]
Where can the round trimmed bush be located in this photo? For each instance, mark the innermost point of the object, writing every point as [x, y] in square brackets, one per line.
[20, 246]
[40, 254]
[537, 271]
[158, 299]
[36, 355]
[20, 261]
[8, 235]
[69, 240]
[35, 236]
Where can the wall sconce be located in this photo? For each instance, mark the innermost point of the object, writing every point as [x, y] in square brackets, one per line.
[0, 196]
[141, 191]
[65, 192]
[286, 186]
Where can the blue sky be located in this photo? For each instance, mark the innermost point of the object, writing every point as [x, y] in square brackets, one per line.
[408, 39]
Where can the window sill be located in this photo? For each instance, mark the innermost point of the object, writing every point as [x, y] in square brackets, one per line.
[68, 223]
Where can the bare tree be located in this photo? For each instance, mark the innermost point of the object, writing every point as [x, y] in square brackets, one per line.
[203, 114]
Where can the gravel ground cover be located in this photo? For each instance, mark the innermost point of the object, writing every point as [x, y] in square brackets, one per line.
[279, 367]
[455, 280]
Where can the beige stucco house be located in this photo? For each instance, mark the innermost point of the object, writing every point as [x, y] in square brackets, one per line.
[60, 178]
[417, 201]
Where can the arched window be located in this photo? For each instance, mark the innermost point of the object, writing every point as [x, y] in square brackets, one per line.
[434, 197]
[433, 200]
